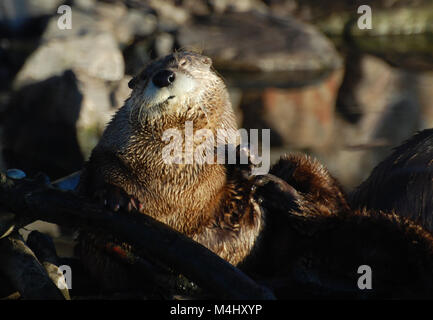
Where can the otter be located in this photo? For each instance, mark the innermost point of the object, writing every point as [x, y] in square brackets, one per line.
[126, 169]
[315, 241]
[402, 182]
[293, 224]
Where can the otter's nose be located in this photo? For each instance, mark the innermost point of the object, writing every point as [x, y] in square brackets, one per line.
[163, 78]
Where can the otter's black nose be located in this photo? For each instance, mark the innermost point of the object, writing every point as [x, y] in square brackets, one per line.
[163, 78]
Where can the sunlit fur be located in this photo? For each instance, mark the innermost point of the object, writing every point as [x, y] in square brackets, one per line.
[192, 198]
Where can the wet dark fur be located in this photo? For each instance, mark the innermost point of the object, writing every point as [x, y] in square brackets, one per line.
[314, 244]
[402, 182]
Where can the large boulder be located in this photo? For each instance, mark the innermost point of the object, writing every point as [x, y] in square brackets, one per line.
[260, 50]
[95, 54]
[92, 17]
[301, 118]
[388, 109]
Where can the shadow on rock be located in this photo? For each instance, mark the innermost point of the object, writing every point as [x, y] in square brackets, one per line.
[39, 132]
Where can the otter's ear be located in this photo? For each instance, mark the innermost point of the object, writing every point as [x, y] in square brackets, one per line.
[207, 61]
[132, 83]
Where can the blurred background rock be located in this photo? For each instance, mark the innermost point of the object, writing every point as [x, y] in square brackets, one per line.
[299, 67]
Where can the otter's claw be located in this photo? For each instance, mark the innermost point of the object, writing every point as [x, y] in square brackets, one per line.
[116, 199]
[132, 205]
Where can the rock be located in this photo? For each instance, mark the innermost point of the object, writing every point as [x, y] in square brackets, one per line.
[389, 104]
[283, 49]
[95, 112]
[98, 107]
[298, 117]
[50, 229]
[197, 7]
[398, 21]
[86, 5]
[109, 12]
[136, 24]
[94, 54]
[334, 15]
[164, 44]
[17, 13]
[170, 16]
[401, 29]
[40, 131]
[401, 36]
[282, 8]
[389, 110]
[113, 18]
[83, 23]
[413, 52]
[91, 51]
[376, 88]
[100, 102]
[122, 23]
[221, 6]
[38, 8]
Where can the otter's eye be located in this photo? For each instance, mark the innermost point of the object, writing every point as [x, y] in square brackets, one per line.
[183, 62]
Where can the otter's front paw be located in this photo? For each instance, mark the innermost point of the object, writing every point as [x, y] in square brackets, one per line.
[116, 199]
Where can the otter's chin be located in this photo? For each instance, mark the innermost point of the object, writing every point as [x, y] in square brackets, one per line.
[161, 102]
[154, 96]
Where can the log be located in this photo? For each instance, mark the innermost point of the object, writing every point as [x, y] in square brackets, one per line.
[149, 237]
[43, 247]
[25, 272]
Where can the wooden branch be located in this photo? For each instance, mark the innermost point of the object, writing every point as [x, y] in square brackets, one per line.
[43, 247]
[7, 223]
[25, 272]
[149, 237]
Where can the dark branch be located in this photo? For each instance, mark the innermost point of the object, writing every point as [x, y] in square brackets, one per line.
[25, 272]
[43, 247]
[149, 237]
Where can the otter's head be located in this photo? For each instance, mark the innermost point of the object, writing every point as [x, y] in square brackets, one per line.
[182, 84]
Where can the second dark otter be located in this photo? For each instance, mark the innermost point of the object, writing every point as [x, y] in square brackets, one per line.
[402, 182]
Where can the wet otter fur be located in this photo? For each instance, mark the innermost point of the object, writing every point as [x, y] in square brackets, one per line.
[293, 225]
[315, 242]
[402, 182]
[126, 168]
